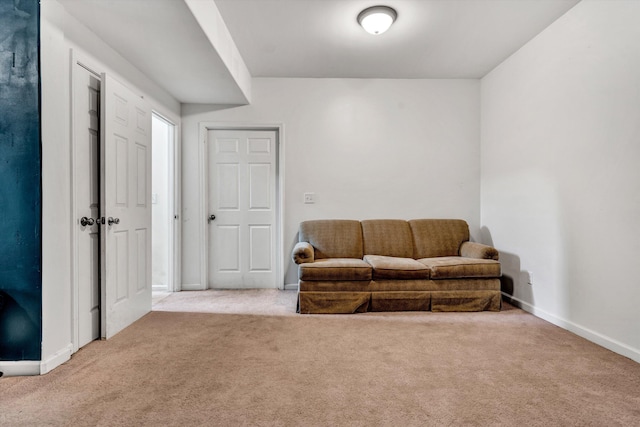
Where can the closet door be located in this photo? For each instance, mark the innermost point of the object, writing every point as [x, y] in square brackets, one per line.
[125, 205]
[242, 208]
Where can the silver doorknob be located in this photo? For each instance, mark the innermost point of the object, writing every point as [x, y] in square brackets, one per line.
[112, 221]
[84, 221]
[211, 218]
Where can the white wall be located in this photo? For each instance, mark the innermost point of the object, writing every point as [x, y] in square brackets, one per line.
[560, 178]
[56, 194]
[366, 148]
[59, 33]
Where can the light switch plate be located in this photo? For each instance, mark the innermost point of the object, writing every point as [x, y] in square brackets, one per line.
[309, 198]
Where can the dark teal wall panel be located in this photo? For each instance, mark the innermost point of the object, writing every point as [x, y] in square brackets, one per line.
[20, 182]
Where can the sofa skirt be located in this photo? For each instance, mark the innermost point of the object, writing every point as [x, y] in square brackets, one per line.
[312, 302]
[333, 302]
[466, 301]
[481, 284]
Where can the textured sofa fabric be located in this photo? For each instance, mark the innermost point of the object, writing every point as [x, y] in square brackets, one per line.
[438, 237]
[390, 267]
[388, 237]
[335, 269]
[348, 266]
[333, 238]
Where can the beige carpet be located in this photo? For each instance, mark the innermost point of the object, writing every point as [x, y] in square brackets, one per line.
[398, 369]
[244, 301]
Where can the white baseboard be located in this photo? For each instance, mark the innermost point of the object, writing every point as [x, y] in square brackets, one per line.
[36, 367]
[198, 287]
[586, 333]
[56, 359]
[192, 287]
[23, 367]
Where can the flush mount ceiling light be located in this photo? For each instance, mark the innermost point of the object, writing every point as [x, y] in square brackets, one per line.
[377, 19]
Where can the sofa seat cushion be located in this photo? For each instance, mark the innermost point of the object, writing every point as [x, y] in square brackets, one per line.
[335, 269]
[386, 267]
[456, 267]
[335, 285]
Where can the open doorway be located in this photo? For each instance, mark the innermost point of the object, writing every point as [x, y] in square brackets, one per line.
[164, 215]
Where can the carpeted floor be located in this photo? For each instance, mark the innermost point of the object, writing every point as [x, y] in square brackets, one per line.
[237, 301]
[233, 368]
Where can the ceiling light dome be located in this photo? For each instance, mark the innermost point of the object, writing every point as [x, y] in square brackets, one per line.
[377, 19]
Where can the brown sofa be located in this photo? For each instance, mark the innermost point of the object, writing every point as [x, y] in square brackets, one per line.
[348, 266]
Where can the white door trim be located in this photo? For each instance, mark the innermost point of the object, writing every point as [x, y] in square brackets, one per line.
[75, 60]
[175, 269]
[177, 206]
[204, 202]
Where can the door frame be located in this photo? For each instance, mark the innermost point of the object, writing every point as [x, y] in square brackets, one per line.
[175, 267]
[203, 173]
[76, 60]
[77, 57]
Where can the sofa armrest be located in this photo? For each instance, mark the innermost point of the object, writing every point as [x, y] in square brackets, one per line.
[478, 250]
[302, 252]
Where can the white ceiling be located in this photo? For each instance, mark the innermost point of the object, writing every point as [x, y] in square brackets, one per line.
[430, 38]
[314, 38]
[163, 40]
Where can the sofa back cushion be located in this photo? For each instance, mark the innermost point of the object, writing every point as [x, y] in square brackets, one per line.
[333, 238]
[388, 237]
[438, 237]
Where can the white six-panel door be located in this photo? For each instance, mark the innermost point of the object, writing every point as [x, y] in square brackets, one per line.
[242, 208]
[126, 197]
